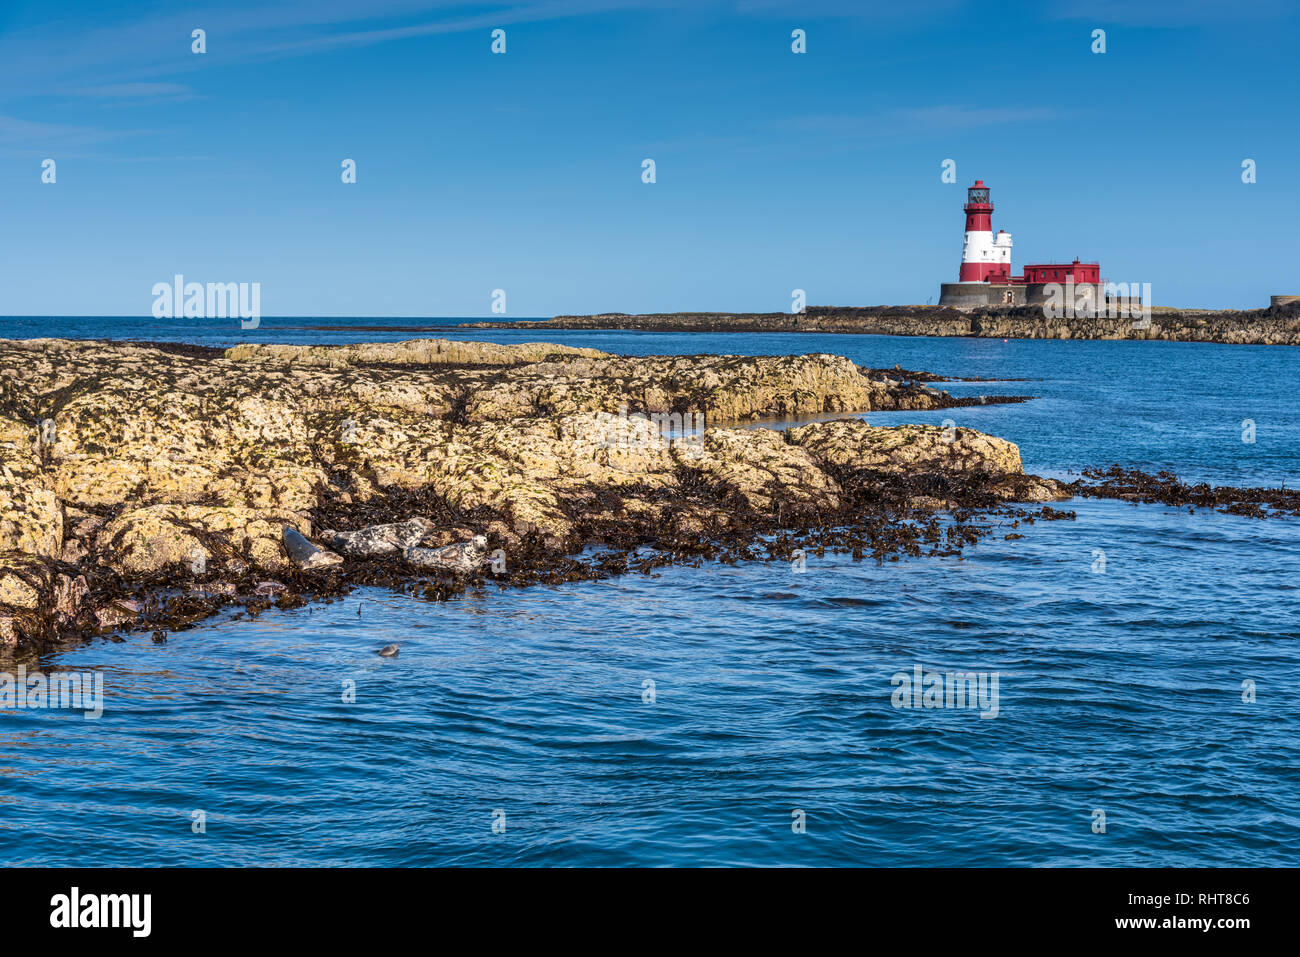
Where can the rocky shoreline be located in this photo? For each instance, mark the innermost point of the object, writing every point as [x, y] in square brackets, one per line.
[1276, 325]
[150, 486]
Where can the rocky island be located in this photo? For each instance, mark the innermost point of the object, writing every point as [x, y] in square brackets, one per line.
[1279, 324]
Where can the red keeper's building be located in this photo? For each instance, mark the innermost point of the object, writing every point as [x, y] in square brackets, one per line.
[1055, 272]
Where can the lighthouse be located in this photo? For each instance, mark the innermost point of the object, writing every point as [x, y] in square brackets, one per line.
[985, 278]
[984, 257]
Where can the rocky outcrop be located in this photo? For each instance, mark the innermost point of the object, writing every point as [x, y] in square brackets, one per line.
[912, 447]
[148, 484]
[414, 352]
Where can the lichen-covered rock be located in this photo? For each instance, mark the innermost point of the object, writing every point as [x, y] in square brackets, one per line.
[31, 520]
[23, 580]
[759, 464]
[854, 443]
[719, 388]
[412, 352]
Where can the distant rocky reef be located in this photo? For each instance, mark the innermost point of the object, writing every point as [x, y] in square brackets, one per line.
[1278, 325]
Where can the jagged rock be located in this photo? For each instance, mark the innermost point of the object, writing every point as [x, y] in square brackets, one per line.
[114, 614]
[760, 464]
[73, 552]
[69, 594]
[1029, 488]
[24, 580]
[34, 588]
[906, 447]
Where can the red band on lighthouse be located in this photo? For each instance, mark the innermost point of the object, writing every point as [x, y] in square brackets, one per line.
[984, 257]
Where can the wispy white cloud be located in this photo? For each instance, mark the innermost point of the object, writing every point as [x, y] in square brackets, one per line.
[111, 54]
[854, 9]
[945, 118]
[16, 132]
[69, 54]
[121, 64]
[700, 143]
[905, 122]
[152, 92]
[1169, 13]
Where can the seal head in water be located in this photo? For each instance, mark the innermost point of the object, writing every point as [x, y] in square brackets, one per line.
[388, 651]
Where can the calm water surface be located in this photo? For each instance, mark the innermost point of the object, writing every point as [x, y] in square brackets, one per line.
[1119, 691]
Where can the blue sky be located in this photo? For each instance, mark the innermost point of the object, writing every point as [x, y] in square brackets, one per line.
[522, 171]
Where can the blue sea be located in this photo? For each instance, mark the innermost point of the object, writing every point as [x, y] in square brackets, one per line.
[1148, 670]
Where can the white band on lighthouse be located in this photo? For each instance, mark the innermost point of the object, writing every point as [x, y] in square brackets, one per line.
[978, 248]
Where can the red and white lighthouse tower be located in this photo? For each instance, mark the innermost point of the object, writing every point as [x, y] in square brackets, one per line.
[984, 257]
[985, 278]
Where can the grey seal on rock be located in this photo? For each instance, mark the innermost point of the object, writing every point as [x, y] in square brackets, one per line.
[306, 555]
[461, 558]
[388, 651]
[379, 539]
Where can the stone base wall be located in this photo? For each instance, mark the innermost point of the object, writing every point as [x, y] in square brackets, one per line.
[980, 295]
